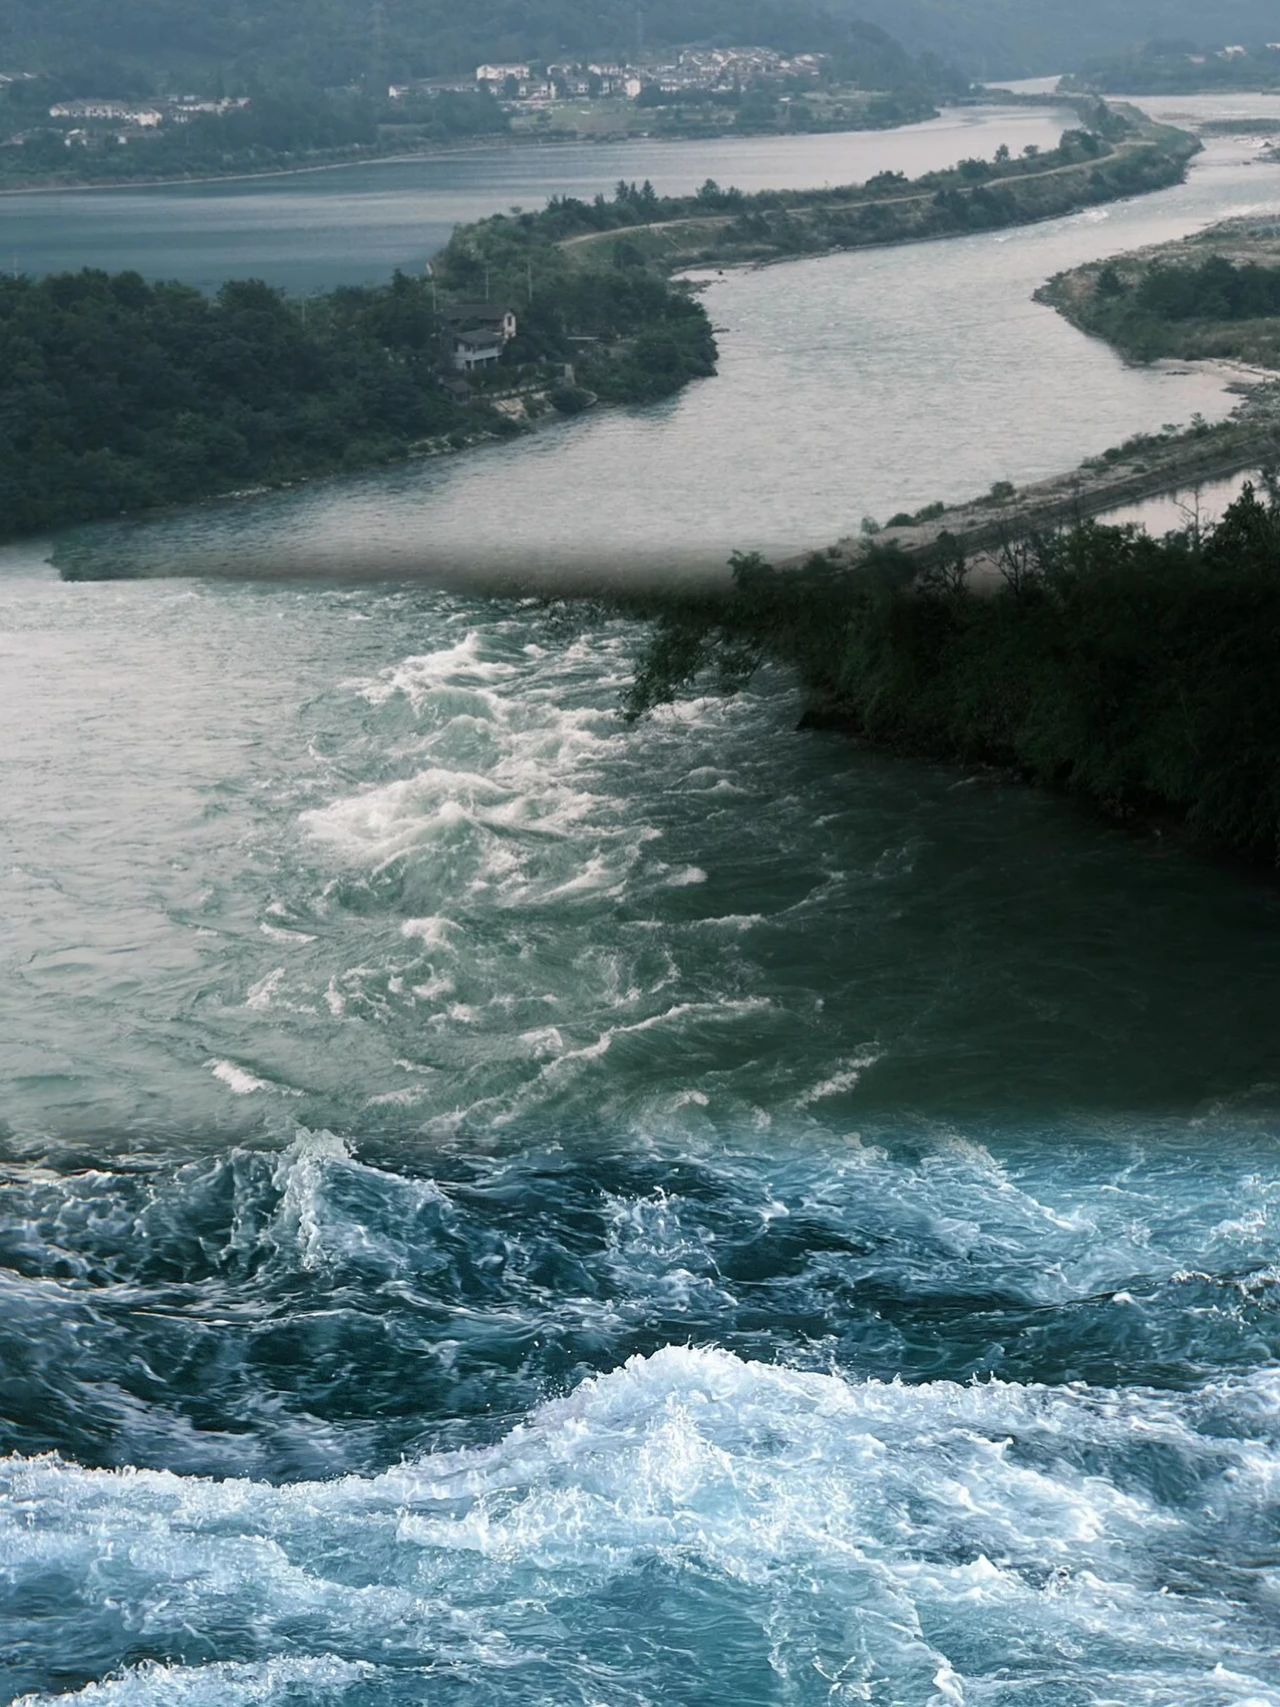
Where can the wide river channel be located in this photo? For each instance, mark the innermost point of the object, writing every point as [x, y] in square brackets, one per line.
[506, 1209]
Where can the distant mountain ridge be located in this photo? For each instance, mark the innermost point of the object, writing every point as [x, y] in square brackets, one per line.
[328, 42]
[333, 42]
[1011, 38]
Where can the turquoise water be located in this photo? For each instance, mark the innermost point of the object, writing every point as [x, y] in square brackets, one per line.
[501, 1207]
[505, 1208]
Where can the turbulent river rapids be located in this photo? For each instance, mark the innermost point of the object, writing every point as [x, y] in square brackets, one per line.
[506, 1209]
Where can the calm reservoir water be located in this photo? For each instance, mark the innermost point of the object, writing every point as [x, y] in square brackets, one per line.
[505, 1208]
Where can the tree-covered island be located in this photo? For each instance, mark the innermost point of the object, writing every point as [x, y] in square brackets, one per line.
[117, 395]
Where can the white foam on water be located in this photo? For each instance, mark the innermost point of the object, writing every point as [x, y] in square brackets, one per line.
[505, 807]
[419, 677]
[405, 1098]
[275, 933]
[847, 1077]
[435, 932]
[238, 1080]
[572, 1061]
[381, 823]
[935, 1542]
[225, 1685]
[260, 995]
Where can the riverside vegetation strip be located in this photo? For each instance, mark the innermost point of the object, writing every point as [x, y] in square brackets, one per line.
[1136, 674]
[117, 396]
[1212, 296]
[1116, 152]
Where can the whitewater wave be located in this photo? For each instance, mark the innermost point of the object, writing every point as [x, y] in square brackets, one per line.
[323, 1680]
[149, 1312]
[238, 1080]
[847, 1540]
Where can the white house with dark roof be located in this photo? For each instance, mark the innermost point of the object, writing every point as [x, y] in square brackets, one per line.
[479, 332]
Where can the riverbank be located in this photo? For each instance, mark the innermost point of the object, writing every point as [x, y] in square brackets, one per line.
[607, 315]
[1213, 296]
[522, 136]
[1125, 154]
[1137, 675]
[1149, 465]
[438, 151]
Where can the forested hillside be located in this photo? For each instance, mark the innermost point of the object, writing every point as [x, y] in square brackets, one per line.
[330, 42]
[334, 41]
[1002, 38]
[1168, 68]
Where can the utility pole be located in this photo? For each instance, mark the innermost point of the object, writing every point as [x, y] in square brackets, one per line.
[640, 32]
[379, 77]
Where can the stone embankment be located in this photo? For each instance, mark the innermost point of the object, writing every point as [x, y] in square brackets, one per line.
[1147, 467]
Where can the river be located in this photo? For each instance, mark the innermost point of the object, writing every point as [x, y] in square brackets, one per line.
[510, 1209]
[312, 230]
[850, 387]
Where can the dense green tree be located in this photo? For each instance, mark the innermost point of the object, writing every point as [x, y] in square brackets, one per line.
[1028, 38]
[1137, 673]
[326, 41]
[116, 394]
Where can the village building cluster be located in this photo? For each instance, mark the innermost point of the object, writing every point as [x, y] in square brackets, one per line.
[89, 121]
[1238, 51]
[518, 86]
[707, 70]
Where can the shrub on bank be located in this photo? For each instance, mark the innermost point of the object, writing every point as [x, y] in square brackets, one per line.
[1139, 674]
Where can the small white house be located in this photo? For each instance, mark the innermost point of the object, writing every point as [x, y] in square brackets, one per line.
[480, 332]
[499, 73]
[473, 350]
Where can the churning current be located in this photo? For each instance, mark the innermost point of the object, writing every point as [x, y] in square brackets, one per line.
[507, 1209]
